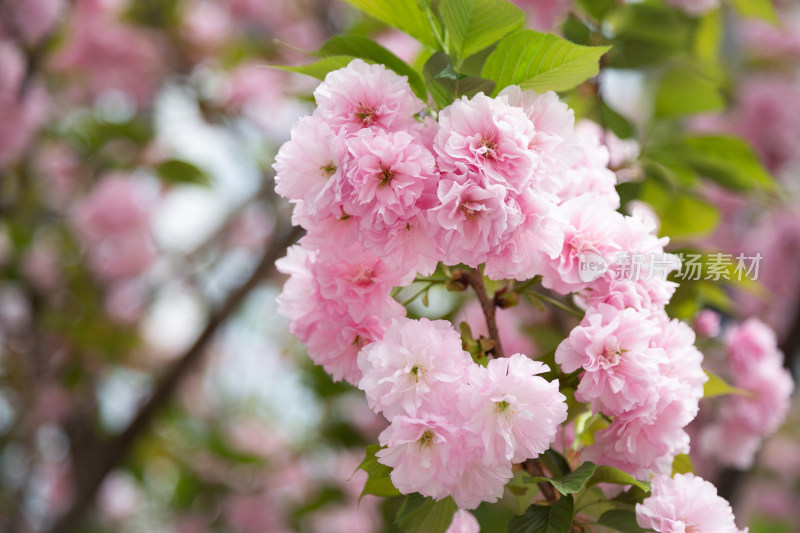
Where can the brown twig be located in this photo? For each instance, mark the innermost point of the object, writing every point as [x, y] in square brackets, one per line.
[113, 453]
[475, 279]
[534, 468]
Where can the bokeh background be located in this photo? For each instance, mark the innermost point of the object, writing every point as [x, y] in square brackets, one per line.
[147, 382]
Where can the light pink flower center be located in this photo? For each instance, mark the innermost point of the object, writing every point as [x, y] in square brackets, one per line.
[426, 439]
[416, 373]
[487, 148]
[366, 114]
[470, 210]
[581, 242]
[328, 170]
[385, 175]
[363, 275]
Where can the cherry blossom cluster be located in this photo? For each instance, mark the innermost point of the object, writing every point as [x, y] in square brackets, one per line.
[386, 189]
[643, 370]
[755, 366]
[456, 427]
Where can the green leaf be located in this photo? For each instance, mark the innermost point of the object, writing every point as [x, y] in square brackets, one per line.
[596, 8]
[609, 474]
[446, 86]
[681, 214]
[319, 69]
[472, 25]
[708, 36]
[716, 386]
[555, 462]
[612, 120]
[762, 9]
[379, 481]
[572, 482]
[179, 171]
[729, 161]
[644, 34]
[418, 514]
[685, 90]
[556, 518]
[682, 464]
[410, 16]
[542, 62]
[622, 520]
[372, 52]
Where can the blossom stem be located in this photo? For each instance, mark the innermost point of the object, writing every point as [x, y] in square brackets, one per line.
[555, 303]
[534, 468]
[475, 280]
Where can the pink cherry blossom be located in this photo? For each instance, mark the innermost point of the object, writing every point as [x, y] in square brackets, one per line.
[515, 411]
[114, 221]
[366, 96]
[613, 347]
[685, 502]
[707, 323]
[591, 175]
[107, 54]
[30, 19]
[483, 480]
[485, 141]
[463, 522]
[337, 307]
[590, 228]
[386, 176]
[425, 454]
[416, 367]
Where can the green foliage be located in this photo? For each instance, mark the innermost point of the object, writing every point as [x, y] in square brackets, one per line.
[372, 52]
[179, 171]
[379, 481]
[609, 474]
[645, 34]
[622, 520]
[681, 213]
[570, 483]
[762, 9]
[716, 386]
[729, 161]
[682, 464]
[446, 85]
[685, 90]
[419, 514]
[542, 62]
[319, 69]
[411, 16]
[473, 25]
[555, 463]
[556, 518]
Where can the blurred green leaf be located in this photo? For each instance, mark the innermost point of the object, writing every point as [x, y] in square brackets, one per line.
[685, 90]
[643, 34]
[179, 171]
[612, 120]
[762, 9]
[473, 25]
[682, 464]
[622, 520]
[541, 61]
[556, 518]
[708, 36]
[410, 16]
[372, 52]
[319, 69]
[681, 214]
[419, 514]
[446, 86]
[716, 386]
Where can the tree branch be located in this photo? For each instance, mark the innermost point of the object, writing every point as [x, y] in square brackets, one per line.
[475, 279]
[534, 468]
[113, 453]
